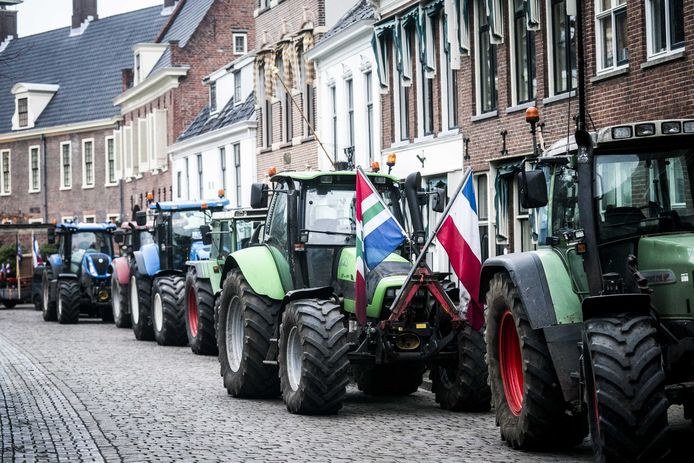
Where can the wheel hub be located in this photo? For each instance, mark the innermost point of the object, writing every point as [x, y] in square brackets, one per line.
[134, 301]
[60, 308]
[115, 297]
[45, 295]
[193, 315]
[511, 363]
[234, 334]
[158, 312]
[294, 358]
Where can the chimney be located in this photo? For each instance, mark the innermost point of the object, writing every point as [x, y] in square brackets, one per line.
[81, 11]
[169, 3]
[8, 20]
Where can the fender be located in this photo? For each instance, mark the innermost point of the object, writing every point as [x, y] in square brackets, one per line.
[55, 262]
[166, 273]
[259, 268]
[147, 259]
[67, 276]
[119, 267]
[325, 292]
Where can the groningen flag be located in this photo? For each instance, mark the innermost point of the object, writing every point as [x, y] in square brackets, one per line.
[378, 234]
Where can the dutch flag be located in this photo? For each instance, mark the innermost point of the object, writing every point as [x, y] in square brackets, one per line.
[35, 253]
[378, 235]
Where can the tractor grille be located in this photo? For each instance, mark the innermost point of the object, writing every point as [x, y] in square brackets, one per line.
[101, 262]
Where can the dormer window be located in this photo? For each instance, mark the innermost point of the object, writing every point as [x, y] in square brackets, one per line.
[138, 76]
[23, 111]
[240, 43]
[30, 101]
[237, 87]
[213, 97]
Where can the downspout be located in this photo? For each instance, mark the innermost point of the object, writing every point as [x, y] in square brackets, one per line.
[45, 178]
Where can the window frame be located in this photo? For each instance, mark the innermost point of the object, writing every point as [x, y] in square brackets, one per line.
[669, 49]
[222, 150]
[62, 165]
[213, 96]
[85, 184]
[38, 168]
[484, 221]
[369, 107]
[615, 10]
[349, 96]
[479, 32]
[551, 65]
[530, 50]
[237, 87]
[236, 149]
[332, 94]
[237, 35]
[112, 141]
[179, 183]
[23, 115]
[87, 217]
[201, 186]
[5, 190]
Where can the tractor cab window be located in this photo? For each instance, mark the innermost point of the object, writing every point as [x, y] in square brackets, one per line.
[185, 227]
[276, 232]
[87, 243]
[564, 200]
[645, 193]
[329, 215]
[244, 232]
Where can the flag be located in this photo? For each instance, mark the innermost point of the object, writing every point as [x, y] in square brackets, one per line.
[19, 249]
[459, 234]
[378, 234]
[35, 252]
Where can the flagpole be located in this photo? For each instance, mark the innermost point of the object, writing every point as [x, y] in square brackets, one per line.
[18, 272]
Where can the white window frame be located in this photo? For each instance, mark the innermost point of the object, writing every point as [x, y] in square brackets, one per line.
[599, 40]
[649, 33]
[35, 220]
[334, 120]
[5, 190]
[143, 144]
[112, 217]
[485, 222]
[478, 66]
[550, 55]
[67, 218]
[445, 82]
[89, 216]
[38, 153]
[86, 185]
[237, 88]
[112, 139]
[513, 71]
[236, 35]
[214, 107]
[518, 219]
[62, 167]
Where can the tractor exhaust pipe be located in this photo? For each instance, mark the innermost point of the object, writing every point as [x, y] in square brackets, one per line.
[412, 184]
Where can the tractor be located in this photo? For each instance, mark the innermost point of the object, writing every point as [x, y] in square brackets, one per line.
[76, 280]
[287, 322]
[158, 269]
[594, 330]
[228, 231]
[130, 238]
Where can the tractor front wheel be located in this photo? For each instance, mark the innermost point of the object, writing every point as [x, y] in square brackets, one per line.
[246, 324]
[49, 306]
[625, 389]
[119, 302]
[463, 385]
[527, 396]
[200, 315]
[313, 357]
[140, 305]
[68, 301]
[167, 311]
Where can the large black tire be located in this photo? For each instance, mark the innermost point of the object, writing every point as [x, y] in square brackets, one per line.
[119, 302]
[313, 357]
[68, 301]
[140, 304]
[542, 419]
[168, 312]
[255, 317]
[389, 380]
[463, 384]
[38, 304]
[200, 316]
[625, 389]
[48, 304]
[9, 304]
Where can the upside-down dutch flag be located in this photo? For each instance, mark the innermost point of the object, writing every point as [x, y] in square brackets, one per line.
[378, 234]
[459, 235]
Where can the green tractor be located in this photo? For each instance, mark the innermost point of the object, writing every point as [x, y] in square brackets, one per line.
[287, 324]
[594, 330]
[228, 231]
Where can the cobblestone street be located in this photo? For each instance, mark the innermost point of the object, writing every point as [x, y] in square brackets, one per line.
[90, 392]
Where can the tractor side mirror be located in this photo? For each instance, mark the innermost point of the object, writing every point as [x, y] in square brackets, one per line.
[205, 233]
[438, 200]
[141, 218]
[161, 234]
[51, 235]
[532, 189]
[259, 195]
[119, 236]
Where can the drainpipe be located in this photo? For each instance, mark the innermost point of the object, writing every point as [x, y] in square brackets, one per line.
[44, 178]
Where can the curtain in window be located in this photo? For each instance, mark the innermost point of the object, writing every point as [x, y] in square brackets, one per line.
[296, 65]
[502, 183]
[287, 63]
[378, 43]
[269, 64]
[308, 44]
[464, 25]
[532, 14]
[450, 30]
[496, 21]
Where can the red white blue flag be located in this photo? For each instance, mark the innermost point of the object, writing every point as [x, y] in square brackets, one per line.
[459, 235]
[35, 252]
[378, 235]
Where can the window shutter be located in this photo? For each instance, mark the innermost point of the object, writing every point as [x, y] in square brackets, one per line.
[451, 31]
[128, 150]
[142, 145]
[496, 21]
[150, 142]
[134, 157]
[464, 25]
[532, 14]
[378, 43]
[118, 153]
[160, 142]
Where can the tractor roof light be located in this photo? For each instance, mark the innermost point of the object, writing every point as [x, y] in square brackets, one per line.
[375, 167]
[392, 158]
[150, 197]
[670, 127]
[620, 133]
[688, 127]
[645, 130]
[220, 193]
[532, 115]
[272, 171]
[203, 206]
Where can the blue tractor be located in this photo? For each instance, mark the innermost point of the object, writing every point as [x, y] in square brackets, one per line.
[76, 279]
[158, 269]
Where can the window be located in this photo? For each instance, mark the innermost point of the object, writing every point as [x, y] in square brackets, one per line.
[349, 85]
[213, 97]
[288, 117]
[87, 163]
[237, 172]
[664, 26]
[452, 91]
[404, 83]
[113, 218]
[523, 49]
[110, 161]
[65, 166]
[240, 43]
[483, 213]
[486, 62]
[428, 102]
[223, 163]
[333, 112]
[562, 49]
[6, 179]
[178, 184]
[237, 87]
[23, 111]
[369, 114]
[187, 178]
[89, 219]
[201, 189]
[611, 34]
[34, 170]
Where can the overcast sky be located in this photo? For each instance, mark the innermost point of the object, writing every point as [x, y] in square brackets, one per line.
[44, 15]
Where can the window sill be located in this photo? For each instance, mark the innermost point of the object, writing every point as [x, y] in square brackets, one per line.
[264, 150]
[400, 144]
[65, 188]
[308, 139]
[286, 144]
[88, 187]
[110, 185]
[424, 138]
[658, 60]
[484, 116]
[6, 194]
[609, 75]
[34, 191]
[559, 97]
[520, 107]
[448, 133]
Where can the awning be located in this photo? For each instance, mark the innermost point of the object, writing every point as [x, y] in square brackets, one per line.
[464, 24]
[532, 14]
[427, 50]
[378, 43]
[309, 41]
[495, 16]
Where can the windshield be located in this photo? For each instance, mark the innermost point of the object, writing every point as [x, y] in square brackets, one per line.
[644, 193]
[88, 242]
[186, 224]
[244, 232]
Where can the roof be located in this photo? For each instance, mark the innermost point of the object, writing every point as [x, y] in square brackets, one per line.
[189, 205]
[229, 115]
[87, 67]
[86, 227]
[245, 213]
[362, 10]
[314, 174]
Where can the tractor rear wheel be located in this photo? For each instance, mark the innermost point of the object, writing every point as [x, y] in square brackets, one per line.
[167, 311]
[246, 324]
[119, 302]
[9, 304]
[527, 396]
[313, 357]
[463, 385]
[389, 380]
[49, 306]
[625, 389]
[140, 305]
[200, 315]
[68, 301]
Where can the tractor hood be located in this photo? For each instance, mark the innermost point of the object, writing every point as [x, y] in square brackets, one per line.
[96, 265]
[668, 263]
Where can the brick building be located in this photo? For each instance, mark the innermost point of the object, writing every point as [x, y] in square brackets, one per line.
[57, 115]
[457, 75]
[164, 88]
